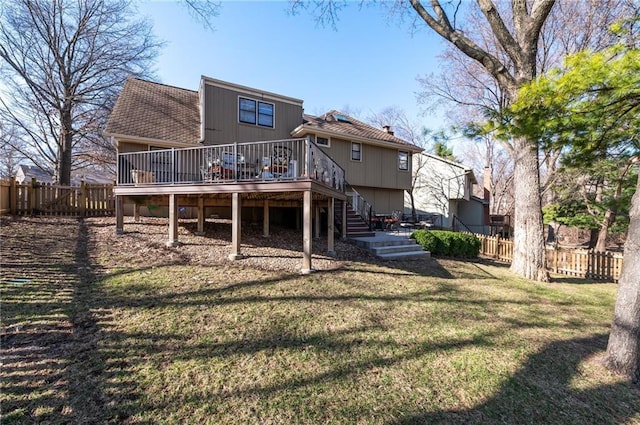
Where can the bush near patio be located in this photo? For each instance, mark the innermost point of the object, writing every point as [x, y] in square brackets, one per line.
[447, 243]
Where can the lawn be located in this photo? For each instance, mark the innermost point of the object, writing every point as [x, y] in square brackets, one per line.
[104, 329]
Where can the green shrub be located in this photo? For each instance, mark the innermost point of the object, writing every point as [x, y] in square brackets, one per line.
[448, 244]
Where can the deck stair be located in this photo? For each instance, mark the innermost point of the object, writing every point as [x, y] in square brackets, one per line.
[356, 226]
[392, 246]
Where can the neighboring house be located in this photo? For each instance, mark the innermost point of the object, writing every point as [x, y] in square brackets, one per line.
[443, 195]
[26, 173]
[239, 152]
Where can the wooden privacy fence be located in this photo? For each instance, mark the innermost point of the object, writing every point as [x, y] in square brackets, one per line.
[34, 198]
[571, 262]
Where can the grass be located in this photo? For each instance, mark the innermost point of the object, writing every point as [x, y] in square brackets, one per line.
[437, 342]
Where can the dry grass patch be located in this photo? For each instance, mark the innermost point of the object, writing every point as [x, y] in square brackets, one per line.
[131, 332]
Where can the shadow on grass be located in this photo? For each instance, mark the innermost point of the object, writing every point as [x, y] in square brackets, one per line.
[542, 392]
[53, 370]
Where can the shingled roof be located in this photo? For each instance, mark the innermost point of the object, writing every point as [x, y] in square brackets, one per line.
[337, 123]
[156, 111]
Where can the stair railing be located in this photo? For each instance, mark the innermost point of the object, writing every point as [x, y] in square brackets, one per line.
[457, 224]
[362, 207]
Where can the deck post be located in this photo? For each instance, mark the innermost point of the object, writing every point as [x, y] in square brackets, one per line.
[316, 222]
[236, 227]
[119, 215]
[265, 219]
[330, 225]
[136, 212]
[173, 221]
[307, 227]
[343, 231]
[200, 229]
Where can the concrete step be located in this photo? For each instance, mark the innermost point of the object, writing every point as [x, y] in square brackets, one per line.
[360, 234]
[392, 247]
[379, 250]
[421, 255]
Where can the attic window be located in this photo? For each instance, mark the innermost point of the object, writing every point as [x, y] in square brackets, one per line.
[341, 117]
[255, 112]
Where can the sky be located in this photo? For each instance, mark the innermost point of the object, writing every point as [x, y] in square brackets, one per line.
[369, 62]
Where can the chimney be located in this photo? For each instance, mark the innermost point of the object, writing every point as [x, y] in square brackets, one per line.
[486, 183]
[387, 129]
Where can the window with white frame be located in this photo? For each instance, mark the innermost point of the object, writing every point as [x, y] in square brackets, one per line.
[403, 161]
[322, 141]
[255, 112]
[356, 151]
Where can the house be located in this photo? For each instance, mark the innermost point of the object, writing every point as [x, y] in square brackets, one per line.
[376, 162]
[245, 153]
[443, 195]
[26, 173]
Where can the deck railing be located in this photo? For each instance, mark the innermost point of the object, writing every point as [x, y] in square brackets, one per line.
[268, 161]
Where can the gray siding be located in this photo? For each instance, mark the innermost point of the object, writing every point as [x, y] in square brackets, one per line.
[221, 118]
[384, 201]
[378, 168]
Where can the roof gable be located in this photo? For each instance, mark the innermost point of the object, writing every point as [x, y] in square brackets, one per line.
[338, 124]
[151, 110]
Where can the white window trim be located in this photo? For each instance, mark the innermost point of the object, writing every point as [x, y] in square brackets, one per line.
[328, 145]
[351, 152]
[257, 101]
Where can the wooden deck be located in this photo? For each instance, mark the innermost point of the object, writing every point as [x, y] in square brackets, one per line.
[307, 179]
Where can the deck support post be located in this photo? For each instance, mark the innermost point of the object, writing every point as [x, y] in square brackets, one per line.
[265, 219]
[307, 227]
[343, 231]
[173, 221]
[136, 212]
[200, 229]
[119, 215]
[330, 226]
[316, 222]
[236, 226]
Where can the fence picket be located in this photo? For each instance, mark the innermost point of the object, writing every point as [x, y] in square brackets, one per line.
[53, 200]
[571, 262]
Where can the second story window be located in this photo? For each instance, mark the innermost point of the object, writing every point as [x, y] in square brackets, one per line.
[356, 151]
[403, 161]
[255, 112]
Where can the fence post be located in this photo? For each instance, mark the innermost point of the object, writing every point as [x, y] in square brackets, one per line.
[13, 197]
[83, 198]
[555, 258]
[497, 246]
[32, 196]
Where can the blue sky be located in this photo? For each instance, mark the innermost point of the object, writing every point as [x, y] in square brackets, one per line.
[370, 62]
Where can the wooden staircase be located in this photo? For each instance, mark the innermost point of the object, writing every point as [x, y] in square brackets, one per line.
[357, 227]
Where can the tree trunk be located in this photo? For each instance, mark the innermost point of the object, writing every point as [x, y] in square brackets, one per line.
[601, 243]
[529, 259]
[414, 216]
[65, 145]
[623, 350]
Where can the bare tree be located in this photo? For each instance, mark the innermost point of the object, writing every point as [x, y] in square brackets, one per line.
[470, 91]
[412, 132]
[63, 63]
[10, 157]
